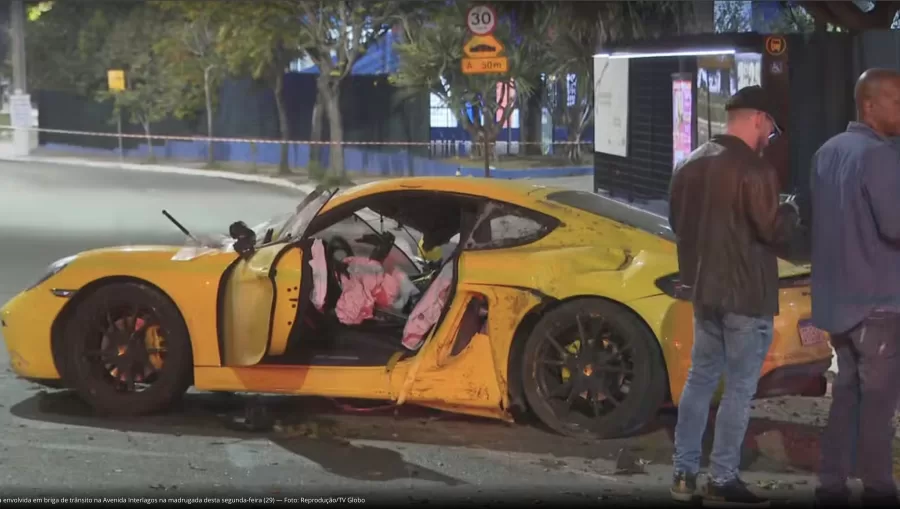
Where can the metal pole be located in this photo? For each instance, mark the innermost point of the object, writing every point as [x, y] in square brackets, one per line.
[20, 110]
[119, 131]
[17, 32]
[487, 158]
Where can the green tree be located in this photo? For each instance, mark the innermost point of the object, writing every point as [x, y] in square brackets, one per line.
[340, 32]
[149, 95]
[533, 22]
[744, 16]
[580, 28]
[189, 48]
[65, 44]
[261, 39]
[431, 59]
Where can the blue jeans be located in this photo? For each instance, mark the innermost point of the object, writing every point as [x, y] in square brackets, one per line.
[736, 345]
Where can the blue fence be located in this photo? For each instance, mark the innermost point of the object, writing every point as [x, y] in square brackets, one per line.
[512, 135]
[356, 160]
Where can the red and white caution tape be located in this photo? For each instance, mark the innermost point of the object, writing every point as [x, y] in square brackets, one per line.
[205, 139]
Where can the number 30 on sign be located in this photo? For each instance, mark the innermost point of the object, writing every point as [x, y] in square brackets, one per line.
[481, 19]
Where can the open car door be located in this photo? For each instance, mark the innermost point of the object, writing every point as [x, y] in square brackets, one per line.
[259, 299]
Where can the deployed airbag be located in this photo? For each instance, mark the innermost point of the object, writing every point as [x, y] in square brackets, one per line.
[320, 274]
[428, 310]
[366, 286]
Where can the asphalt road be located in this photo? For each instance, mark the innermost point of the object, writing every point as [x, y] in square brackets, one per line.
[51, 444]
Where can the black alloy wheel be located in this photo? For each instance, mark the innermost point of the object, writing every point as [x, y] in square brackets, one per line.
[591, 367]
[128, 350]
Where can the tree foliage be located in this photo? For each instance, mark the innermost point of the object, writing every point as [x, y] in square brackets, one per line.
[746, 16]
[581, 29]
[66, 44]
[340, 32]
[130, 46]
[189, 46]
[431, 59]
[261, 39]
[855, 16]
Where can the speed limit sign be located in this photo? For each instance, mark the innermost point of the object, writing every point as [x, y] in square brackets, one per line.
[481, 20]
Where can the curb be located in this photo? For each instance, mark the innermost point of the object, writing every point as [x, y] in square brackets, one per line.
[71, 161]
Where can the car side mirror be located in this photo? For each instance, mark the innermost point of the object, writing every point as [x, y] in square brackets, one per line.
[245, 239]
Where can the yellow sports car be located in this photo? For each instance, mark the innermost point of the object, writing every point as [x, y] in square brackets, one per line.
[477, 296]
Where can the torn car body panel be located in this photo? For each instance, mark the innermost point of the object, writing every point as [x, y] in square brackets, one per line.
[472, 378]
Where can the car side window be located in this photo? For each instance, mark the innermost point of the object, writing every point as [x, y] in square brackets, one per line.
[502, 225]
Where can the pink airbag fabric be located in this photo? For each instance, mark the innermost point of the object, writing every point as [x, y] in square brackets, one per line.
[428, 310]
[320, 274]
[366, 287]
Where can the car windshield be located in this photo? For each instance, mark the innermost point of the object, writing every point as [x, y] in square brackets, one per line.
[295, 225]
[615, 210]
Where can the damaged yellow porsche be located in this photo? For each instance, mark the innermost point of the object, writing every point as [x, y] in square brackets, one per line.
[476, 296]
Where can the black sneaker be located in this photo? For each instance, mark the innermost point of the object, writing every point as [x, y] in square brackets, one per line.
[873, 499]
[825, 498]
[731, 494]
[684, 487]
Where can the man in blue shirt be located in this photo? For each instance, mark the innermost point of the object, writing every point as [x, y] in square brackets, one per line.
[855, 185]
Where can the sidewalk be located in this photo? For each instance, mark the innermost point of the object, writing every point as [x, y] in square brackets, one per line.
[264, 175]
[267, 174]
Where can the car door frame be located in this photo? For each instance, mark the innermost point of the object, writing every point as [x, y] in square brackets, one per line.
[233, 349]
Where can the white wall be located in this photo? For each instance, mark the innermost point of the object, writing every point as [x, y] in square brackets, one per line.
[611, 106]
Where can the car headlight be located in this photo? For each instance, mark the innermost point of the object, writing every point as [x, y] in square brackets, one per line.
[54, 269]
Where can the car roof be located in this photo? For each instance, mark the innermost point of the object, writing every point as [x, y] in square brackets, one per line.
[499, 189]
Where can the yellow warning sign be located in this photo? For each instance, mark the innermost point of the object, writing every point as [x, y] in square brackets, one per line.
[496, 65]
[483, 46]
[116, 79]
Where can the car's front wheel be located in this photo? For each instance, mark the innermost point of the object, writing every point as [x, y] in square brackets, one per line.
[592, 368]
[127, 350]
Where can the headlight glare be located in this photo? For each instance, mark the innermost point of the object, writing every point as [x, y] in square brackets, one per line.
[53, 270]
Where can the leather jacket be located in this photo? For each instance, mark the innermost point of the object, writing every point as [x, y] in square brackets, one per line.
[725, 213]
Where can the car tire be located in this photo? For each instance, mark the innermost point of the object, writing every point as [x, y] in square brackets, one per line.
[648, 384]
[94, 385]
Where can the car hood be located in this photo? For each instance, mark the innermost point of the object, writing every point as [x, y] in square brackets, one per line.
[124, 256]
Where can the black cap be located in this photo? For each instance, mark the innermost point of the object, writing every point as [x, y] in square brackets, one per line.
[752, 98]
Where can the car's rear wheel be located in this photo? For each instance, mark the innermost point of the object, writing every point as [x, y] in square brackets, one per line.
[591, 368]
[128, 351]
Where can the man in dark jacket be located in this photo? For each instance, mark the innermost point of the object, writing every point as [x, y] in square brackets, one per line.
[856, 288]
[724, 210]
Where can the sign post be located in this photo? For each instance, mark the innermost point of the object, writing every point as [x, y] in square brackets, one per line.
[483, 55]
[116, 80]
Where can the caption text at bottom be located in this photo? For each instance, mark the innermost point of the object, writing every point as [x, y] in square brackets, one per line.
[183, 500]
